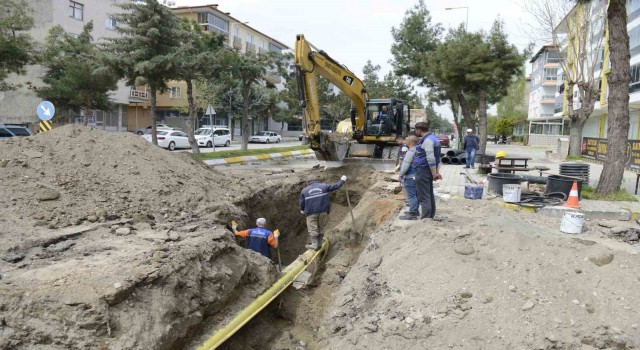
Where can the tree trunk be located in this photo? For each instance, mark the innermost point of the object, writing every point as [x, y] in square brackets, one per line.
[618, 117]
[154, 131]
[575, 136]
[482, 120]
[466, 112]
[454, 109]
[245, 116]
[191, 121]
[87, 108]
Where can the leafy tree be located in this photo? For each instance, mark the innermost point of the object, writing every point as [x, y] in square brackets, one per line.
[513, 104]
[390, 86]
[197, 58]
[15, 44]
[618, 100]
[287, 106]
[75, 78]
[145, 52]
[437, 123]
[248, 71]
[504, 127]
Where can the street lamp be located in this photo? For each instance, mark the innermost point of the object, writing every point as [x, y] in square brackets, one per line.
[466, 25]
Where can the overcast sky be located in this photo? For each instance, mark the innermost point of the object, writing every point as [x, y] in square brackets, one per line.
[354, 31]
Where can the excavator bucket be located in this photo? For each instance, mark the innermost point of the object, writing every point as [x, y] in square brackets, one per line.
[330, 147]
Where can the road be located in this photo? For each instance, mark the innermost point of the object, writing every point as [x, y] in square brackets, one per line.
[236, 145]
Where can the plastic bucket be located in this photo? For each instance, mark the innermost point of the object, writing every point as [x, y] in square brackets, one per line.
[572, 222]
[473, 191]
[557, 183]
[497, 180]
[511, 193]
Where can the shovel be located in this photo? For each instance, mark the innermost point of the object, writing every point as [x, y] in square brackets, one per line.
[353, 220]
[276, 233]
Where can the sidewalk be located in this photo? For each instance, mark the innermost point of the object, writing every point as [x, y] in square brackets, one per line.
[245, 159]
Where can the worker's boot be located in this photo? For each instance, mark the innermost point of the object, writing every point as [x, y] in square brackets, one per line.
[314, 243]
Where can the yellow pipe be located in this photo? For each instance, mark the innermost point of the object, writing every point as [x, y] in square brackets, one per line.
[289, 274]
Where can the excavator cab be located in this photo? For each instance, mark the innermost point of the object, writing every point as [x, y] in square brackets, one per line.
[386, 118]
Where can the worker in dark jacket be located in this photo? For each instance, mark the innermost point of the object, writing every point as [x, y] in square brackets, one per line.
[258, 239]
[315, 204]
[471, 145]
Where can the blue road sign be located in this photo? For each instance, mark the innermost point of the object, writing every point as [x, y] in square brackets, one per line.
[46, 110]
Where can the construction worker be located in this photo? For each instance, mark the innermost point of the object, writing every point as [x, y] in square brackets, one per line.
[407, 178]
[315, 204]
[258, 239]
[427, 164]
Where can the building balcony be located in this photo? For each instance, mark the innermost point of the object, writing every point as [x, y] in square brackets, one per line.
[550, 82]
[237, 42]
[262, 51]
[548, 99]
[138, 96]
[251, 48]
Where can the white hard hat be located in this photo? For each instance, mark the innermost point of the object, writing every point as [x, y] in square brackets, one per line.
[469, 130]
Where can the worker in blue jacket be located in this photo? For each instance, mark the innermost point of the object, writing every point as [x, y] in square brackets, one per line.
[427, 165]
[258, 239]
[315, 204]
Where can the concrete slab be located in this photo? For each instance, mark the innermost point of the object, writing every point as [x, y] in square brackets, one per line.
[594, 210]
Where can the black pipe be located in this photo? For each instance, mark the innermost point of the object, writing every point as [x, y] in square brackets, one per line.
[454, 152]
[445, 160]
[462, 159]
[454, 160]
[534, 179]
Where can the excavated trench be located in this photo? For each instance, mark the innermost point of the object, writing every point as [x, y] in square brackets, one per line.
[292, 321]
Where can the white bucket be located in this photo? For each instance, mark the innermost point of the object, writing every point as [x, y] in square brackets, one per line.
[572, 222]
[511, 193]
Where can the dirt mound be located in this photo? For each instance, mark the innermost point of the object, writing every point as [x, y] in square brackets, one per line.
[111, 242]
[488, 278]
[74, 174]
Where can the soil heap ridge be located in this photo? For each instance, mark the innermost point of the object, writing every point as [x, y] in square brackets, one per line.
[72, 174]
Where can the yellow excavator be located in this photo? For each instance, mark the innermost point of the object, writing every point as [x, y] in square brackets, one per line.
[373, 125]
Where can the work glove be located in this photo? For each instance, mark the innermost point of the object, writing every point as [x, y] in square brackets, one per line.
[234, 224]
[397, 169]
[302, 212]
[276, 233]
[344, 178]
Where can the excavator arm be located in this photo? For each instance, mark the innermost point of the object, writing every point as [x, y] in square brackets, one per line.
[309, 61]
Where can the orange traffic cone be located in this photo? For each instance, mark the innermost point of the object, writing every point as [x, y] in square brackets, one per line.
[573, 201]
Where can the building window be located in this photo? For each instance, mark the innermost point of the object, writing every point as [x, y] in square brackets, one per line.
[275, 48]
[110, 22]
[634, 83]
[213, 23]
[175, 92]
[250, 38]
[551, 74]
[76, 10]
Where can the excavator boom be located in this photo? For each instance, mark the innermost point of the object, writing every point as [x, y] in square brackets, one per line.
[309, 61]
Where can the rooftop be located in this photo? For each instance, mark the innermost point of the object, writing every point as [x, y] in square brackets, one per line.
[543, 49]
[214, 8]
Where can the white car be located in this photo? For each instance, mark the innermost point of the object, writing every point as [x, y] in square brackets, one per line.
[265, 137]
[222, 137]
[171, 139]
[147, 130]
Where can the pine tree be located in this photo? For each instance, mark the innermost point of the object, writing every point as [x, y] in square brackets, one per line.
[145, 53]
[16, 45]
[75, 77]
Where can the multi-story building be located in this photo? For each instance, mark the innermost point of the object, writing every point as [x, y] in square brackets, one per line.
[545, 129]
[172, 105]
[545, 98]
[19, 106]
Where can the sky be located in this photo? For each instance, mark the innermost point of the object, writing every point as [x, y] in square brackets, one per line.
[354, 31]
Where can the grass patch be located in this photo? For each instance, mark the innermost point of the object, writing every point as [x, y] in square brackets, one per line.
[620, 195]
[575, 158]
[250, 152]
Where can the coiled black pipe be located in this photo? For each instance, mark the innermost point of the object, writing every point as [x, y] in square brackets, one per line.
[454, 153]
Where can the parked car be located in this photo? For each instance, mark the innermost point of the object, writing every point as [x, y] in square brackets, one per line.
[265, 137]
[222, 137]
[444, 140]
[147, 130]
[8, 131]
[170, 139]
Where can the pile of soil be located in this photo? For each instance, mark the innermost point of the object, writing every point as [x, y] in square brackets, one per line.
[112, 242]
[487, 278]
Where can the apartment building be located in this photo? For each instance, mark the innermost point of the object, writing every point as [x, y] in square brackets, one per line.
[172, 105]
[545, 123]
[19, 106]
[545, 129]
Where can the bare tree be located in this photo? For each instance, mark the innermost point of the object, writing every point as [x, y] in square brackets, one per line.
[577, 31]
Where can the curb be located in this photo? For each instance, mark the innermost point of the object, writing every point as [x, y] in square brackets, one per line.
[245, 159]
